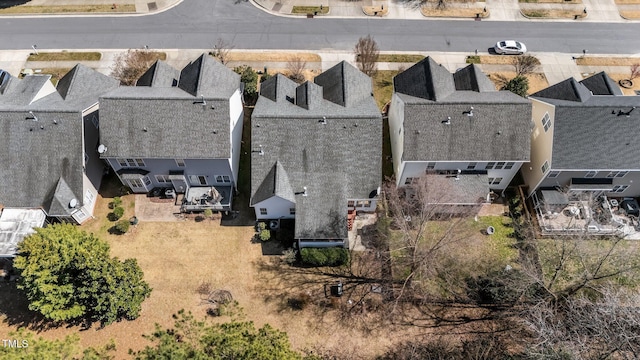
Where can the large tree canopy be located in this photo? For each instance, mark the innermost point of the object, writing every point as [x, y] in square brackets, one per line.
[67, 275]
[191, 339]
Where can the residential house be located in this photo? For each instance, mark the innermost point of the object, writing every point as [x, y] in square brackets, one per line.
[457, 125]
[316, 153]
[177, 130]
[48, 143]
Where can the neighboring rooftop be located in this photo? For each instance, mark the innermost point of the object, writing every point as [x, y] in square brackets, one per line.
[593, 131]
[460, 116]
[15, 225]
[325, 136]
[163, 118]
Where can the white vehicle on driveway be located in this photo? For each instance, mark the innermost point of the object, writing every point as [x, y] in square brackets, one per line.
[510, 47]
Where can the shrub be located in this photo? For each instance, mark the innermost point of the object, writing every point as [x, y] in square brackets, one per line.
[116, 213]
[333, 256]
[290, 256]
[265, 235]
[123, 226]
[498, 287]
[519, 85]
[250, 79]
[117, 201]
[208, 213]
[473, 59]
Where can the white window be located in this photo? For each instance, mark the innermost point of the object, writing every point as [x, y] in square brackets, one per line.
[263, 211]
[495, 181]
[500, 165]
[88, 197]
[180, 162]
[617, 174]
[81, 214]
[472, 166]
[553, 174]
[546, 122]
[490, 165]
[363, 203]
[431, 165]
[509, 165]
[135, 183]
[619, 188]
[292, 211]
[131, 162]
[198, 179]
[146, 181]
[223, 179]
[591, 174]
[545, 167]
[163, 179]
[351, 203]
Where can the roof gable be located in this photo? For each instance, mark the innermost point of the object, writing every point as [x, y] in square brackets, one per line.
[82, 82]
[344, 85]
[472, 78]
[276, 183]
[426, 80]
[601, 84]
[160, 74]
[209, 78]
[569, 90]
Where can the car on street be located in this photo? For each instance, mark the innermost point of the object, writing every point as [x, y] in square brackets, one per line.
[510, 47]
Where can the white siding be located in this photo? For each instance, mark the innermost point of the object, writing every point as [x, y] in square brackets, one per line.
[277, 208]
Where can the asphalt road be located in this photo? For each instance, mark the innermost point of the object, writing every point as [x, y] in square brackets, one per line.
[197, 24]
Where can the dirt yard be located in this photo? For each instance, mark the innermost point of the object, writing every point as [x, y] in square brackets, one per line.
[537, 81]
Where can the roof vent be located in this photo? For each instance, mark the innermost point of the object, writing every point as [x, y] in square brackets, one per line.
[323, 121]
[73, 203]
[32, 116]
[470, 112]
[448, 121]
[102, 149]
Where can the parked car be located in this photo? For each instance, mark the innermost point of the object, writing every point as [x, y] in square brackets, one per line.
[510, 47]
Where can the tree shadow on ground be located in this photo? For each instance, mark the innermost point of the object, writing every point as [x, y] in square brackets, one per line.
[14, 308]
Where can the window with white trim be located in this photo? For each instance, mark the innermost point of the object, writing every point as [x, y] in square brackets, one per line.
[509, 165]
[431, 165]
[131, 162]
[546, 122]
[163, 179]
[545, 167]
[553, 174]
[351, 203]
[198, 179]
[490, 165]
[223, 179]
[88, 197]
[146, 180]
[617, 174]
[495, 181]
[292, 211]
[180, 162]
[472, 166]
[591, 174]
[263, 211]
[122, 162]
[363, 203]
[135, 183]
[619, 188]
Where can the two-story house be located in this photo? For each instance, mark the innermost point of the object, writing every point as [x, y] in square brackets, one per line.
[457, 125]
[178, 130]
[48, 143]
[316, 153]
[585, 139]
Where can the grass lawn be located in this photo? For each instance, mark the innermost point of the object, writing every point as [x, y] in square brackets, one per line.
[552, 1]
[408, 58]
[56, 73]
[310, 10]
[65, 56]
[56, 9]
[495, 59]
[383, 86]
[272, 56]
[607, 61]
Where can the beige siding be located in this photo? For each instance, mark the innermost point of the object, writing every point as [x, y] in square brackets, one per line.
[396, 132]
[541, 144]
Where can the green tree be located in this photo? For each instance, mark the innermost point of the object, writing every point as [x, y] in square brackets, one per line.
[250, 79]
[39, 348]
[67, 275]
[191, 339]
[519, 85]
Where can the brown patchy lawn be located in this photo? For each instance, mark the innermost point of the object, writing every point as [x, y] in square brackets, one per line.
[430, 10]
[627, 2]
[552, 1]
[630, 14]
[631, 91]
[58, 9]
[500, 59]
[383, 86]
[607, 61]
[553, 13]
[537, 81]
[272, 56]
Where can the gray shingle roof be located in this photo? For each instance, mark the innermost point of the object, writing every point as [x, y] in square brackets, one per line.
[170, 122]
[569, 90]
[594, 133]
[601, 84]
[160, 74]
[498, 130]
[45, 150]
[276, 183]
[337, 160]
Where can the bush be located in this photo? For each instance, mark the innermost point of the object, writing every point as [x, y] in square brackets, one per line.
[290, 256]
[123, 226]
[265, 235]
[519, 85]
[334, 256]
[498, 287]
[116, 214]
[117, 201]
[208, 213]
[250, 79]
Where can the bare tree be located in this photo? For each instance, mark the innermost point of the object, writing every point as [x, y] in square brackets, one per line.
[367, 53]
[296, 67]
[221, 51]
[634, 71]
[130, 65]
[525, 64]
[604, 328]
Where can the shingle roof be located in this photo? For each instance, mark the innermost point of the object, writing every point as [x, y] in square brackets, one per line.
[594, 133]
[276, 183]
[336, 160]
[44, 148]
[170, 122]
[569, 90]
[601, 84]
[160, 74]
[497, 130]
